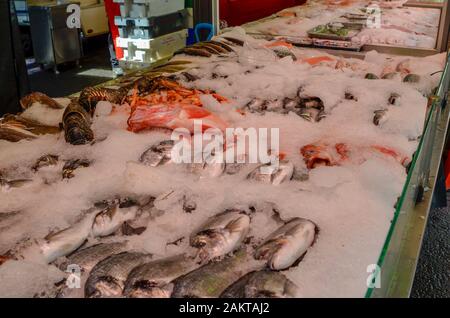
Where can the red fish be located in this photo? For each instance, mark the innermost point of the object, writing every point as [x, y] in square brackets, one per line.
[172, 116]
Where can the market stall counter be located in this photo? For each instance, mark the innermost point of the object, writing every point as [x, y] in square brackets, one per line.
[336, 198]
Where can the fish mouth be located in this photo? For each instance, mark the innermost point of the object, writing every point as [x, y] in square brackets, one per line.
[206, 238]
[318, 161]
[77, 136]
[106, 286]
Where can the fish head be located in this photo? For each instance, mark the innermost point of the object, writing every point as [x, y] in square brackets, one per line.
[210, 243]
[158, 154]
[222, 239]
[103, 220]
[146, 289]
[316, 155]
[268, 249]
[274, 288]
[106, 286]
[105, 216]
[284, 173]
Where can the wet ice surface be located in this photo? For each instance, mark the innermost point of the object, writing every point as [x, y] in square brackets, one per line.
[352, 204]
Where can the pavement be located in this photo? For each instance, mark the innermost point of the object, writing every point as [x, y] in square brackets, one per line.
[432, 278]
[94, 68]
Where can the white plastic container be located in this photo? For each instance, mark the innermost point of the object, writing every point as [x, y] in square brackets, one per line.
[152, 50]
[148, 8]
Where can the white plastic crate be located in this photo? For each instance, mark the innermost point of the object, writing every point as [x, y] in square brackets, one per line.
[152, 50]
[148, 8]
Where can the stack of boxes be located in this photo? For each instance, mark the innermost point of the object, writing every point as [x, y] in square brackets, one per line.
[151, 30]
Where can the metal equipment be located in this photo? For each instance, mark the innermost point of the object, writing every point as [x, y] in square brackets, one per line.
[53, 41]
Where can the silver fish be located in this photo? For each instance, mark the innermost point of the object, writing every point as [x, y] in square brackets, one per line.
[311, 102]
[256, 105]
[212, 279]
[273, 105]
[380, 116]
[111, 219]
[45, 161]
[221, 234]
[68, 240]
[411, 78]
[290, 104]
[107, 278]
[159, 154]
[393, 98]
[6, 185]
[86, 259]
[277, 175]
[311, 114]
[284, 53]
[211, 167]
[262, 284]
[71, 165]
[287, 244]
[153, 279]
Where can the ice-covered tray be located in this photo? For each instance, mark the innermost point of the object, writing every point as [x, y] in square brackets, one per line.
[335, 44]
[301, 41]
[314, 33]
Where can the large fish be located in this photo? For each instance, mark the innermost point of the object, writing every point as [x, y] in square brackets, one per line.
[262, 284]
[85, 259]
[153, 279]
[158, 154]
[221, 234]
[88, 257]
[107, 278]
[276, 175]
[68, 240]
[287, 244]
[211, 280]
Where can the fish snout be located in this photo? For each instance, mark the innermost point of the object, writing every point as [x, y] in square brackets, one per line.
[107, 286]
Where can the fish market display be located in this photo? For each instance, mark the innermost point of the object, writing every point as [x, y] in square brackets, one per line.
[128, 190]
[358, 21]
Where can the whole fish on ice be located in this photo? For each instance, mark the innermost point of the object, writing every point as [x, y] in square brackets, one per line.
[153, 279]
[221, 234]
[85, 259]
[287, 244]
[262, 284]
[107, 278]
[211, 280]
